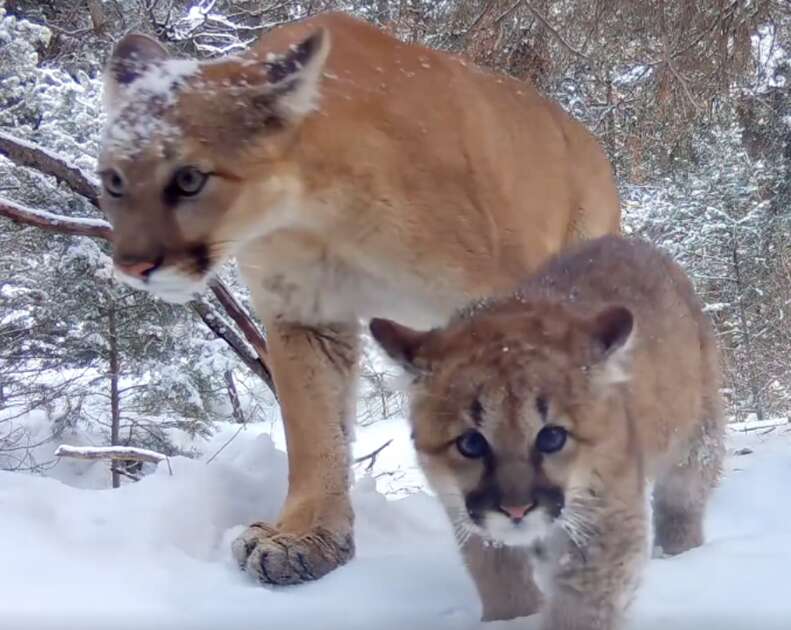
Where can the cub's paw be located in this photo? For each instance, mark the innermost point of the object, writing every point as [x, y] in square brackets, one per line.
[280, 558]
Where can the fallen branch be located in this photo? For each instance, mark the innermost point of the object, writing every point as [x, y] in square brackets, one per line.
[113, 453]
[126, 453]
[371, 457]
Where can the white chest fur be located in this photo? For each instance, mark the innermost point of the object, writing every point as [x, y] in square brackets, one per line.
[301, 280]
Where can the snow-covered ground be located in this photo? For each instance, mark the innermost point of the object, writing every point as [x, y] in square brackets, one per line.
[154, 554]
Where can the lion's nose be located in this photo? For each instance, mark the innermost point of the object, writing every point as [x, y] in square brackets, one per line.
[138, 269]
[516, 512]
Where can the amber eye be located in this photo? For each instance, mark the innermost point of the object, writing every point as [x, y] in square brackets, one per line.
[551, 439]
[188, 181]
[472, 444]
[113, 182]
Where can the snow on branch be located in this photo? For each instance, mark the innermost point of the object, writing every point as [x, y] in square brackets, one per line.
[125, 453]
[130, 453]
[81, 226]
[33, 156]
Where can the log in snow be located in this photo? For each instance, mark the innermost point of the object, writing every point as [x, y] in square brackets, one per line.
[128, 453]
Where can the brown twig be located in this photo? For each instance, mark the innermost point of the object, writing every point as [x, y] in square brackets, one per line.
[554, 31]
[372, 456]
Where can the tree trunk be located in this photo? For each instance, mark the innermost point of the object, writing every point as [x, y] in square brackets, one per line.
[747, 342]
[233, 394]
[115, 404]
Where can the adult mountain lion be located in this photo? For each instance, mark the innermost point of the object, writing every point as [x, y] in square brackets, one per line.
[352, 176]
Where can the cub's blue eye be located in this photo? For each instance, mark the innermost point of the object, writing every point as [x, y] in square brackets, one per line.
[472, 444]
[551, 439]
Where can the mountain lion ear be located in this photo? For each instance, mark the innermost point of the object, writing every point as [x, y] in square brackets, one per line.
[612, 333]
[131, 58]
[292, 79]
[401, 344]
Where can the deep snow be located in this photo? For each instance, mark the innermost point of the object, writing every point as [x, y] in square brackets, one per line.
[154, 554]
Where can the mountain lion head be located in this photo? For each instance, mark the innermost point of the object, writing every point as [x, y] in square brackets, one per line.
[194, 158]
[512, 412]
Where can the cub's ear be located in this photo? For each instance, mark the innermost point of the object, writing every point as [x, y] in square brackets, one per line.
[401, 344]
[291, 81]
[132, 56]
[611, 333]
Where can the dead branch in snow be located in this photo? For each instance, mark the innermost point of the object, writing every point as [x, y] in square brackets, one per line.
[113, 453]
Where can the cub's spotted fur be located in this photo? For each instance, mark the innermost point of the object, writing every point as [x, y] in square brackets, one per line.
[539, 420]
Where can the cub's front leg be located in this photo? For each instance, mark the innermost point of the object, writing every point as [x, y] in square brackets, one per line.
[314, 370]
[503, 577]
[594, 581]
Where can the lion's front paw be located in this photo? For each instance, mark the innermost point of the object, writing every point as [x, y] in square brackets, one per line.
[275, 557]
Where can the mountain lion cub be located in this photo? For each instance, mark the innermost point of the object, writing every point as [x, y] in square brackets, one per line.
[540, 418]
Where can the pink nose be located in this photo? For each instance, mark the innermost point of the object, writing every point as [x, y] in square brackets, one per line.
[137, 269]
[516, 512]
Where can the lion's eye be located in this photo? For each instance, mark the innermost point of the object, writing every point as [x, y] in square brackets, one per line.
[472, 444]
[551, 439]
[188, 181]
[113, 182]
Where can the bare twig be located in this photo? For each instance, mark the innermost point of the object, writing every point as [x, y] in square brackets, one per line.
[371, 457]
[554, 31]
[227, 442]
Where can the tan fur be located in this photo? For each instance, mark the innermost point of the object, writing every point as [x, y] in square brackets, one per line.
[371, 178]
[609, 342]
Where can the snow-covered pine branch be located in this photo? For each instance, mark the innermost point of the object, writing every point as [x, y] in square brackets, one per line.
[101, 229]
[31, 155]
[79, 226]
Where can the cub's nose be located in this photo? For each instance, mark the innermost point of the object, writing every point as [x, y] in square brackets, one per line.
[140, 269]
[516, 512]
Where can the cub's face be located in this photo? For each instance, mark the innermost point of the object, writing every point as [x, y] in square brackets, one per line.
[195, 157]
[510, 416]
